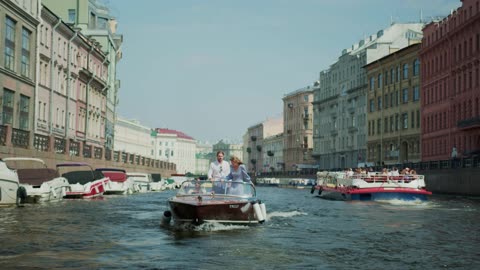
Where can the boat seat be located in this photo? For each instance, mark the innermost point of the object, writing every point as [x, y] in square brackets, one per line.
[36, 177]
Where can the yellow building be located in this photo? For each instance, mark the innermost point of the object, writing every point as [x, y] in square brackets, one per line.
[393, 112]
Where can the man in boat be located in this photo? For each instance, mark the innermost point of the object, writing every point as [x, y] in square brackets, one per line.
[219, 169]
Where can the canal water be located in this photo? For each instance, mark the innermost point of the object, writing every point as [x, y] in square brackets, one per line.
[303, 232]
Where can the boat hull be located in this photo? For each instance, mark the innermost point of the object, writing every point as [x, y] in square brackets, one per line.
[8, 192]
[199, 210]
[373, 194]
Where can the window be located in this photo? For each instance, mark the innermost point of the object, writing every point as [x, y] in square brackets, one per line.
[398, 73]
[92, 21]
[416, 67]
[372, 105]
[385, 128]
[405, 120]
[392, 75]
[10, 43]
[405, 95]
[72, 15]
[24, 112]
[372, 83]
[392, 125]
[416, 93]
[412, 117]
[102, 23]
[8, 101]
[379, 126]
[405, 71]
[379, 103]
[380, 80]
[397, 123]
[305, 98]
[159, 152]
[25, 68]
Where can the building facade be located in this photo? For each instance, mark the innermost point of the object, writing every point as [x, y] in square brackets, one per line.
[256, 134]
[95, 22]
[204, 155]
[450, 57]
[273, 153]
[176, 147]
[340, 104]
[18, 23]
[298, 128]
[393, 114]
[134, 138]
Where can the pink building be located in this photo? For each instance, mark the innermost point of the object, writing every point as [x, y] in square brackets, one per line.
[450, 62]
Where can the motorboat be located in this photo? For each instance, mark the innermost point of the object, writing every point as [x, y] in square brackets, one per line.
[370, 187]
[298, 183]
[119, 183]
[267, 182]
[203, 201]
[141, 181]
[40, 183]
[84, 182]
[9, 185]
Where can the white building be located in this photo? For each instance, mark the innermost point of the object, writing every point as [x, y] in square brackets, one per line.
[134, 138]
[176, 147]
[229, 149]
[340, 105]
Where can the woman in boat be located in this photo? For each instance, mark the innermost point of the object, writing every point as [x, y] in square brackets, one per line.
[238, 173]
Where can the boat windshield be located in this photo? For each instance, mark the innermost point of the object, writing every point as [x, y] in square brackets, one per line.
[227, 188]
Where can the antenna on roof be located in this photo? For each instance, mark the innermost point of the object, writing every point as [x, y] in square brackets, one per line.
[421, 15]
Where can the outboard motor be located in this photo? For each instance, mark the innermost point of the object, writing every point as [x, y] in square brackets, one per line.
[166, 218]
[21, 195]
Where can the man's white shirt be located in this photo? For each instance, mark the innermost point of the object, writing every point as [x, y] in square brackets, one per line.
[218, 170]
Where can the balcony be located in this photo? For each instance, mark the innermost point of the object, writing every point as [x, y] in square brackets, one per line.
[469, 123]
[259, 148]
[253, 138]
[270, 153]
[249, 150]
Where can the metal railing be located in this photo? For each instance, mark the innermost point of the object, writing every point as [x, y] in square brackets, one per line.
[20, 138]
[41, 142]
[59, 146]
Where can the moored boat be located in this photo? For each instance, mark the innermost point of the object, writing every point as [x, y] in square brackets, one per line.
[141, 181]
[119, 184]
[9, 185]
[201, 201]
[370, 187]
[267, 182]
[40, 183]
[84, 182]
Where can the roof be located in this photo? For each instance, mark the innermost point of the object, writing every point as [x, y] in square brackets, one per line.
[174, 132]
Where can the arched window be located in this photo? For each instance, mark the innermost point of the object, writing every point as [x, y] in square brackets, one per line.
[405, 71]
[416, 67]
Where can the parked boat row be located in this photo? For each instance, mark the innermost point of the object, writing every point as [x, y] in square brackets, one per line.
[370, 186]
[29, 180]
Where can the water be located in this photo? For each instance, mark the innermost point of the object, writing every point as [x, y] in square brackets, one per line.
[303, 232]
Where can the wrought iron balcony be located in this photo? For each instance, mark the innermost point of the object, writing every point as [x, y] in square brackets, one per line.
[469, 123]
[270, 153]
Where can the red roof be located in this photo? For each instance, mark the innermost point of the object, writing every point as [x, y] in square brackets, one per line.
[175, 132]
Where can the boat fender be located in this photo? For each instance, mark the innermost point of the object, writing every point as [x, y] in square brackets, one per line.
[166, 218]
[258, 212]
[263, 207]
[21, 195]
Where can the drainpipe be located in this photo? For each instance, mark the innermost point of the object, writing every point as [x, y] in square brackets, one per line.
[69, 83]
[115, 98]
[88, 90]
[37, 69]
[104, 89]
[50, 109]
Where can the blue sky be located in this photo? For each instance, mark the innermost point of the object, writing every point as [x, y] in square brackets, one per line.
[213, 68]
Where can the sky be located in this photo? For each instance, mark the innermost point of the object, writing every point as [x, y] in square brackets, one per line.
[213, 68]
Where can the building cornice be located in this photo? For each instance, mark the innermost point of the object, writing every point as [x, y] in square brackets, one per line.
[27, 16]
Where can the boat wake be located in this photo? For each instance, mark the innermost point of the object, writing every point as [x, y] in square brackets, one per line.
[409, 203]
[285, 214]
[209, 227]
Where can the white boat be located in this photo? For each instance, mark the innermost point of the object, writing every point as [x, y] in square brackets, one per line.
[141, 181]
[85, 183]
[119, 183]
[8, 185]
[41, 183]
[158, 185]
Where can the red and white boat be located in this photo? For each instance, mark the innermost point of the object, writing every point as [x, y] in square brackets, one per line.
[84, 182]
[40, 183]
[370, 187]
[119, 183]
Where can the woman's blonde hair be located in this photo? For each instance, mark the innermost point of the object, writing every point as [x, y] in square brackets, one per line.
[236, 160]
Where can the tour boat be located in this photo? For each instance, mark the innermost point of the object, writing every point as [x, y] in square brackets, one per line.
[9, 185]
[141, 181]
[370, 187]
[84, 182]
[203, 201]
[119, 184]
[40, 184]
[267, 182]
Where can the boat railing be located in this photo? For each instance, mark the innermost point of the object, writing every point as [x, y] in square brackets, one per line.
[217, 188]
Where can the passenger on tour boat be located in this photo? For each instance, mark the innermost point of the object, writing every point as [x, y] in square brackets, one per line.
[218, 168]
